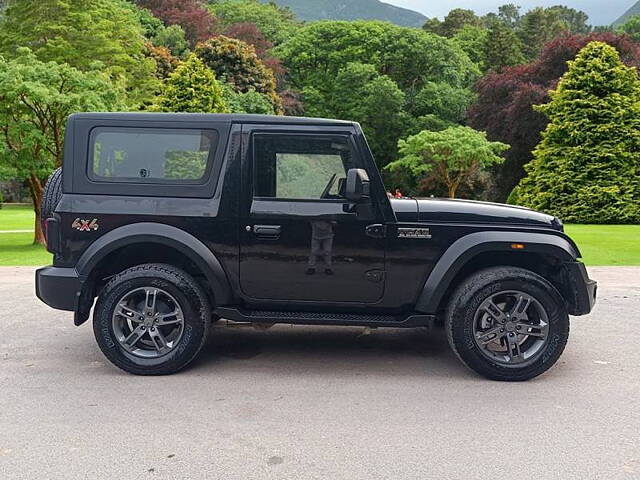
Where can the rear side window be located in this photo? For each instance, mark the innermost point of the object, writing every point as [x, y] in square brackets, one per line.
[151, 155]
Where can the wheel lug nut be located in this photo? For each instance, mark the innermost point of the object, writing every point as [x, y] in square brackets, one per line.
[511, 334]
[518, 327]
[502, 330]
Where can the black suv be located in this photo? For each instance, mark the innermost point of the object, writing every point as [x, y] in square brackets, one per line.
[173, 221]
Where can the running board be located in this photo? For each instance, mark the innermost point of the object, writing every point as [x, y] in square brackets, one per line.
[319, 318]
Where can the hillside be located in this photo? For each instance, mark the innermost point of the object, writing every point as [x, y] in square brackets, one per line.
[634, 10]
[353, 10]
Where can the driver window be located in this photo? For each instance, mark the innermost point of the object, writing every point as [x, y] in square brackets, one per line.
[305, 167]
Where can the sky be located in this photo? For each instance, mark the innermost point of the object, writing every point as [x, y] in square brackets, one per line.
[601, 12]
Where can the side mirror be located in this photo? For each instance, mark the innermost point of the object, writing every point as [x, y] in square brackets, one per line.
[357, 188]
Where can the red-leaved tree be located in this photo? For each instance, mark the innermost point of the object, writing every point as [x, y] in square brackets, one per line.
[194, 18]
[505, 100]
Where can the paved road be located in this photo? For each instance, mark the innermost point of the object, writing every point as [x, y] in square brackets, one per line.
[317, 403]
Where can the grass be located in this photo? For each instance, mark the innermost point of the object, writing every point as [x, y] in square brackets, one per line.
[607, 244]
[599, 244]
[16, 217]
[18, 249]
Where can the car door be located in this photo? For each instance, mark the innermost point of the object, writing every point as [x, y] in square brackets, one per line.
[301, 239]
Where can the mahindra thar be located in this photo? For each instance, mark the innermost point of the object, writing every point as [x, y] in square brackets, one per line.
[164, 223]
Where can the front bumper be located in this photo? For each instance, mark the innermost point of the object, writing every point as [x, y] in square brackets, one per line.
[58, 287]
[584, 289]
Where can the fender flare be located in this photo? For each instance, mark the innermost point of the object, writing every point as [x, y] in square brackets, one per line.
[167, 235]
[467, 247]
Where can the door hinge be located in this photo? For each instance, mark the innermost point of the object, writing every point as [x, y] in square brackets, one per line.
[376, 231]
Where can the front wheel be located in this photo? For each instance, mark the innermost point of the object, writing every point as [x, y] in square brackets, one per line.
[507, 323]
[151, 319]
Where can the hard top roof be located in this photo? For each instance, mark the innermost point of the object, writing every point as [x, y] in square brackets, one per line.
[208, 117]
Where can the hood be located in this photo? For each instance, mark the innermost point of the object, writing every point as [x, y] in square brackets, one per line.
[469, 211]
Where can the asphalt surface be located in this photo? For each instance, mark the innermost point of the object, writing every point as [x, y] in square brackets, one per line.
[317, 403]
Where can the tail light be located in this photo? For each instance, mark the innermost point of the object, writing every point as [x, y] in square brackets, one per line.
[52, 234]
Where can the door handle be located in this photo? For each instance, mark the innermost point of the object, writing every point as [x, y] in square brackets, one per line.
[376, 231]
[267, 232]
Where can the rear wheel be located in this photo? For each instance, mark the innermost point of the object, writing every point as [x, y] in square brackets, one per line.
[152, 319]
[507, 323]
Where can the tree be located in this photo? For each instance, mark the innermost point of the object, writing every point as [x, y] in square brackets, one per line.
[250, 34]
[444, 101]
[472, 40]
[509, 14]
[456, 20]
[504, 108]
[165, 62]
[502, 48]
[192, 87]
[173, 38]
[537, 27]
[35, 100]
[81, 33]
[192, 15]
[586, 169]
[631, 27]
[276, 23]
[236, 63]
[575, 20]
[248, 102]
[450, 157]
[410, 57]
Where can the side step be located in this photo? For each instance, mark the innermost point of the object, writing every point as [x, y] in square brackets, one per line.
[320, 318]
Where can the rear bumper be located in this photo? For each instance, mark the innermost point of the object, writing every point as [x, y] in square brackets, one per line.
[584, 289]
[58, 287]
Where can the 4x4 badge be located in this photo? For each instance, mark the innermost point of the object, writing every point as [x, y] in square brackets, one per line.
[85, 225]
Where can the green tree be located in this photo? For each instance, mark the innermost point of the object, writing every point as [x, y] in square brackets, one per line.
[173, 38]
[509, 14]
[35, 100]
[236, 63]
[472, 40]
[247, 102]
[80, 33]
[537, 27]
[450, 157]
[502, 48]
[631, 27]
[192, 87]
[586, 169]
[359, 93]
[443, 101]
[410, 57]
[574, 20]
[456, 20]
[275, 22]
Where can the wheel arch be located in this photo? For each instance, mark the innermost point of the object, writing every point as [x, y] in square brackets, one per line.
[542, 253]
[158, 243]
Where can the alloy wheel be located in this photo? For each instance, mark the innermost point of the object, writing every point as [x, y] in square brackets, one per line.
[148, 322]
[511, 328]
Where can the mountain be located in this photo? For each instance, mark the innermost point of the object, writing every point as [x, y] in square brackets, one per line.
[353, 10]
[635, 10]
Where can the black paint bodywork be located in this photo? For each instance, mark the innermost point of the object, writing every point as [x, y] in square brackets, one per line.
[252, 253]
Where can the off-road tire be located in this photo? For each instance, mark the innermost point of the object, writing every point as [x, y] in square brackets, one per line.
[191, 299]
[51, 195]
[479, 286]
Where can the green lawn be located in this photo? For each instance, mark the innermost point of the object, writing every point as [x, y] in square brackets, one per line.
[16, 217]
[599, 244]
[607, 244]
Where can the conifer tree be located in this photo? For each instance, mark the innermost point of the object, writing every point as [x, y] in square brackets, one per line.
[586, 169]
[192, 87]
